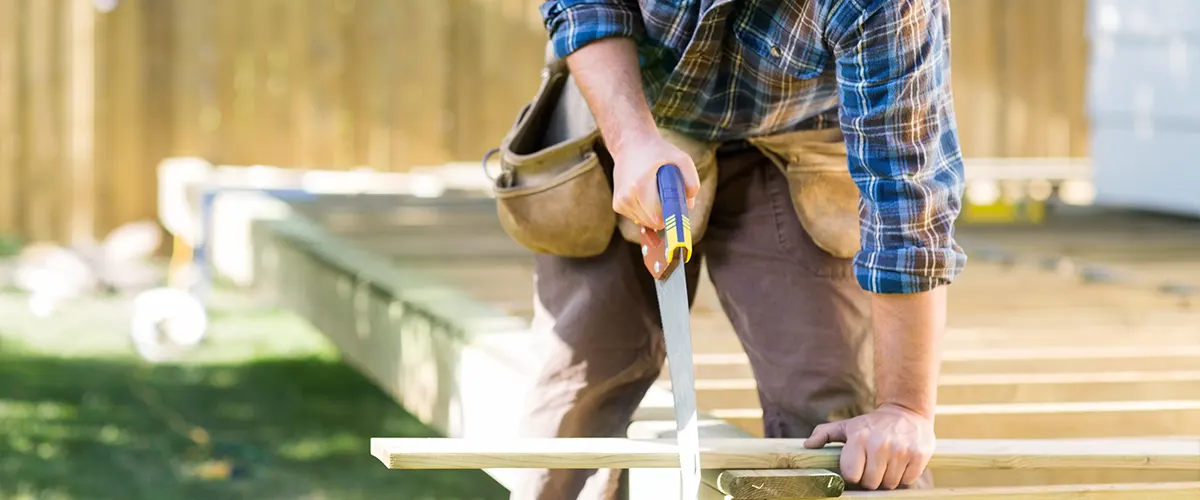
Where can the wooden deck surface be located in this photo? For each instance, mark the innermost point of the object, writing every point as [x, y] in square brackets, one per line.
[1033, 350]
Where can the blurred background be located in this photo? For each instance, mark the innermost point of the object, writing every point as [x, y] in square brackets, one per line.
[95, 99]
[1077, 118]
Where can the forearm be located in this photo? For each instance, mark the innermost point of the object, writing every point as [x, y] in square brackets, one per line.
[608, 76]
[908, 342]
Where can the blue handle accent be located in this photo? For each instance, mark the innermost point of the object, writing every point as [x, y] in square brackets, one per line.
[671, 193]
[673, 198]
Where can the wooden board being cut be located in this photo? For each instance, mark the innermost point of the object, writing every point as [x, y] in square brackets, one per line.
[593, 453]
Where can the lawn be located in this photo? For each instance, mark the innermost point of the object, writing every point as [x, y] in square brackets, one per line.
[263, 410]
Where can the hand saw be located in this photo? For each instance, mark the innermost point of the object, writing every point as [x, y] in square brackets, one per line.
[664, 255]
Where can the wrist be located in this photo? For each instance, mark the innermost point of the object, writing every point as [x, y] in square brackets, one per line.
[926, 412]
[633, 135]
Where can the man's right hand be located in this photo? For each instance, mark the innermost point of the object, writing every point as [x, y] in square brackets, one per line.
[635, 178]
[611, 82]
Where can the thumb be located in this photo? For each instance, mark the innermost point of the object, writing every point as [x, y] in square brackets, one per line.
[833, 432]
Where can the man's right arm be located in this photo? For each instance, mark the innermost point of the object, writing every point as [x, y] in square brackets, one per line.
[597, 40]
[609, 78]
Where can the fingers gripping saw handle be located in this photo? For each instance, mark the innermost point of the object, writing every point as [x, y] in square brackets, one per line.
[662, 254]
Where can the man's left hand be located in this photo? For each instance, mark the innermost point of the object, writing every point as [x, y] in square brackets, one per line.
[886, 448]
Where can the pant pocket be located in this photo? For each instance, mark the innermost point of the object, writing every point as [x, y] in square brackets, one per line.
[823, 194]
[553, 196]
[704, 156]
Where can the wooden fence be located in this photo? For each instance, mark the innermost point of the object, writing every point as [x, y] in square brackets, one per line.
[92, 99]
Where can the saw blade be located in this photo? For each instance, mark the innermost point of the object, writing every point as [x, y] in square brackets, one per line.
[673, 305]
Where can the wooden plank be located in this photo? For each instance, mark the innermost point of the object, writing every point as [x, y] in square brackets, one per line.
[353, 33]
[717, 337]
[43, 115]
[227, 17]
[157, 75]
[192, 73]
[596, 453]
[464, 55]
[11, 34]
[80, 120]
[125, 120]
[301, 84]
[981, 478]
[275, 101]
[1073, 82]
[426, 86]
[737, 365]
[773, 484]
[943, 477]
[377, 21]
[1031, 420]
[976, 76]
[1069, 387]
[1089, 491]
[1166, 491]
[1002, 388]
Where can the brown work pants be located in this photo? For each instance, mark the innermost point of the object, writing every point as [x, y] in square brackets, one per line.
[798, 311]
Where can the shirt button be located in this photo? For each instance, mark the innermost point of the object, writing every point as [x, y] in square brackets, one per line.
[775, 50]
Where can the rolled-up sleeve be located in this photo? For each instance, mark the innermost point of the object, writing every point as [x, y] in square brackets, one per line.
[893, 70]
[572, 24]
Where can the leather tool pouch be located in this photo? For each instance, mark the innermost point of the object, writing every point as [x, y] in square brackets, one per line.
[823, 193]
[552, 195]
[704, 156]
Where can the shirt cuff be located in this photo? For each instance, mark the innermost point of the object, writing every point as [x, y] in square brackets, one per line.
[908, 270]
[579, 23]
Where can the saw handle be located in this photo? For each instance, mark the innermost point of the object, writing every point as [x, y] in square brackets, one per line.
[673, 198]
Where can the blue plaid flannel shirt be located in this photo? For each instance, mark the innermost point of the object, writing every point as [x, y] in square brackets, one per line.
[731, 69]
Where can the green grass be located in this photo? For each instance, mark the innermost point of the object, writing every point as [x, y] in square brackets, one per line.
[264, 410]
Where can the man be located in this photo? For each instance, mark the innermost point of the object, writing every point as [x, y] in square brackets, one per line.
[728, 72]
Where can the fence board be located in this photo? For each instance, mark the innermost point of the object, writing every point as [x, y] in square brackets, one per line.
[125, 125]
[11, 161]
[78, 39]
[389, 84]
[42, 119]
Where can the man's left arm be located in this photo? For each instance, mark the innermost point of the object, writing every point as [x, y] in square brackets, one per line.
[893, 69]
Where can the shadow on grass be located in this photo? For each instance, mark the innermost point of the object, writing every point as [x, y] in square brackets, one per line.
[100, 428]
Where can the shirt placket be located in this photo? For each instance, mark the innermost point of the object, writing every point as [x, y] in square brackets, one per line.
[695, 67]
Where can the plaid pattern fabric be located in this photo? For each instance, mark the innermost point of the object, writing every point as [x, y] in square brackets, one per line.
[879, 69]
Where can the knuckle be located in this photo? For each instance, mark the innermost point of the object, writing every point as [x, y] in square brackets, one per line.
[923, 452]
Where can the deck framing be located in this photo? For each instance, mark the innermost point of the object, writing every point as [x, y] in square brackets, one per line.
[442, 354]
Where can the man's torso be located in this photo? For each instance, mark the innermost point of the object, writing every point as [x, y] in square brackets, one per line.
[730, 69]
